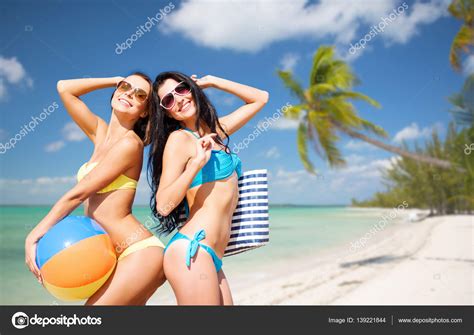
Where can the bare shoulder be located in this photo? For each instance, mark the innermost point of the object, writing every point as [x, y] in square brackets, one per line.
[180, 143]
[179, 138]
[130, 145]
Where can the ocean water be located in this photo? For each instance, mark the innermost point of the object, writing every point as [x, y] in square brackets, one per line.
[294, 231]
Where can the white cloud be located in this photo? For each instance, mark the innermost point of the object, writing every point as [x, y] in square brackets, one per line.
[289, 61]
[272, 153]
[359, 179]
[54, 146]
[251, 26]
[12, 72]
[284, 124]
[40, 181]
[358, 145]
[47, 190]
[41, 190]
[355, 159]
[363, 168]
[54, 180]
[291, 181]
[413, 132]
[3, 89]
[468, 66]
[406, 25]
[72, 132]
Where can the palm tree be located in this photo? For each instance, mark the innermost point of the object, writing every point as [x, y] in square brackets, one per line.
[463, 103]
[464, 39]
[442, 191]
[324, 112]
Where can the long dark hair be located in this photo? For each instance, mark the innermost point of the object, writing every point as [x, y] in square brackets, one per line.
[161, 127]
[142, 126]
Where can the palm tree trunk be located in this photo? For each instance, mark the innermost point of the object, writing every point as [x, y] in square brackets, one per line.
[397, 150]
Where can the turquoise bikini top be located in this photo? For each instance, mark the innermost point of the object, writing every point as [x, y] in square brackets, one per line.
[221, 165]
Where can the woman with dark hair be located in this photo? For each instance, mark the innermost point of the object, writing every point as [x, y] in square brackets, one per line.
[193, 170]
[107, 183]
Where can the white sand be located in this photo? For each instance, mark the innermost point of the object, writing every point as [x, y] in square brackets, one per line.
[439, 272]
[427, 262]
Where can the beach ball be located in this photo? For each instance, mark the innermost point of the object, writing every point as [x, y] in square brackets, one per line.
[75, 257]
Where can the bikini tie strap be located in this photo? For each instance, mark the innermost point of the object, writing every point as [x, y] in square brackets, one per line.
[193, 245]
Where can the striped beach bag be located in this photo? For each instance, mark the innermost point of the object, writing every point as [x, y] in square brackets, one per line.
[250, 227]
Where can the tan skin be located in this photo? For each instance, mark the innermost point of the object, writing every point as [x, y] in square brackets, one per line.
[211, 204]
[118, 150]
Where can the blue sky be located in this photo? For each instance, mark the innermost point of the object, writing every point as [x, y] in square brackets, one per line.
[405, 68]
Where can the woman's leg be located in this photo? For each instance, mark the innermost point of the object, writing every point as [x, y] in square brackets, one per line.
[196, 285]
[225, 294]
[135, 279]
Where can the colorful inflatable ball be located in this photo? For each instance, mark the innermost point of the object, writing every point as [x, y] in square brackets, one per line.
[75, 257]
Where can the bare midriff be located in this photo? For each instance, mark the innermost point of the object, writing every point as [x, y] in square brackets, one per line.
[211, 206]
[114, 213]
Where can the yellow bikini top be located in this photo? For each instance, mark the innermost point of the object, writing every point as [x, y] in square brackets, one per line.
[121, 183]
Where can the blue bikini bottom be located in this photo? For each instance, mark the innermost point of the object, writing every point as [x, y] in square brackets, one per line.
[193, 246]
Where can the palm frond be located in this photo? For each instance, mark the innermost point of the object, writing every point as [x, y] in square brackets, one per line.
[320, 89]
[357, 96]
[292, 84]
[294, 112]
[373, 128]
[323, 55]
[341, 75]
[327, 139]
[463, 103]
[463, 41]
[302, 139]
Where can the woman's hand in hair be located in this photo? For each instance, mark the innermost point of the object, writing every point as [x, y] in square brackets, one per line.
[204, 82]
[203, 150]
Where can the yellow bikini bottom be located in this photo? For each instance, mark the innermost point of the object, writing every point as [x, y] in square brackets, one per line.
[151, 241]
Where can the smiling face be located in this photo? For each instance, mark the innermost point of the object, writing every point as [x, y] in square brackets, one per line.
[129, 101]
[184, 106]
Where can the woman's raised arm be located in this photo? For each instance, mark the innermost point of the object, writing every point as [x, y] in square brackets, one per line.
[254, 100]
[70, 90]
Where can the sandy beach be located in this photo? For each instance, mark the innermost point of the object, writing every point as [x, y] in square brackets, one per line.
[415, 263]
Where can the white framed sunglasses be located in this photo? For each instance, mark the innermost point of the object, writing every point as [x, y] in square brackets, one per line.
[168, 101]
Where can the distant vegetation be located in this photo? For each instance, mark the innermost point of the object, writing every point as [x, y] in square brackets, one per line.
[421, 185]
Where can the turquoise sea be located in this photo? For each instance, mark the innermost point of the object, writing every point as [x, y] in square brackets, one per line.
[294, 230]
